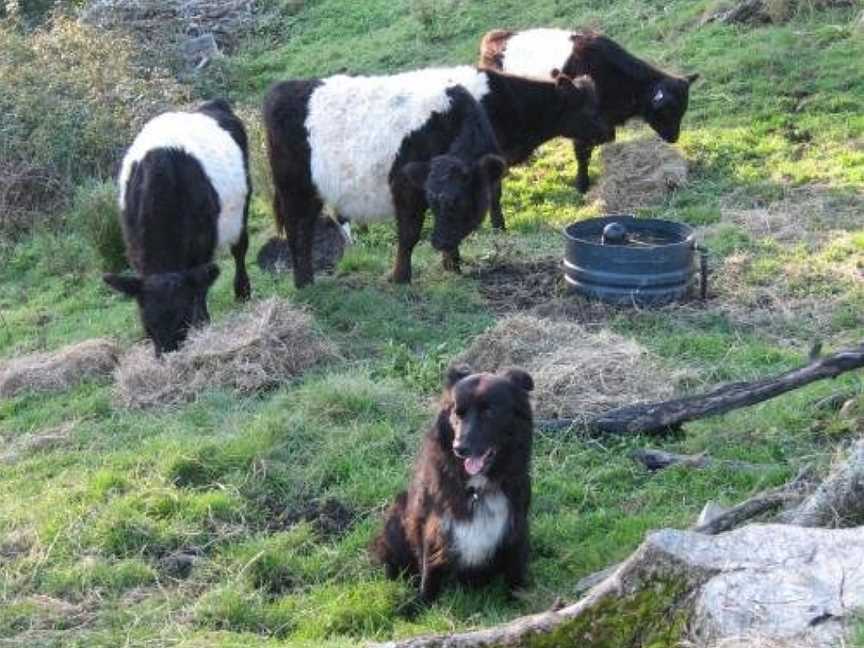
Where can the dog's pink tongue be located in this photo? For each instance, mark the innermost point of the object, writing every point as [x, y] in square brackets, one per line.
[473, 465]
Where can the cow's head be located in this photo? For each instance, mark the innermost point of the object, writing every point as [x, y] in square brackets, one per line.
[458, 193]
[580, 117]
[489, 416]
[169, 303]
[667, 104]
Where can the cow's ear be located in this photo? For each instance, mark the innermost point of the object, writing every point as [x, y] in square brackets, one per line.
[493, 166]
[455, 373]
[417, 173]
[203, 276]
[130, 286]
[692, 78]
[520, 378]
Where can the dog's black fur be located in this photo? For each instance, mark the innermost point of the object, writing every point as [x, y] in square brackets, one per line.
[484, 419]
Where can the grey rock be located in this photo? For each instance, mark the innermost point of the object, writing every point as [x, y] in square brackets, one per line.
[771, 582]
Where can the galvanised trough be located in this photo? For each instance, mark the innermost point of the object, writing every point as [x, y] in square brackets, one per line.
[621, 259]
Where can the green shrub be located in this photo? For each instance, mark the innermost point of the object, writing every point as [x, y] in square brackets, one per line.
[96, 216]
[73, 96]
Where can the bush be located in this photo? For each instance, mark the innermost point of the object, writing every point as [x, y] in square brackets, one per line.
[73, 97]
[95, 214]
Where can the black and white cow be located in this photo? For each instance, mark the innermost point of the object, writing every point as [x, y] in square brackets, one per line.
[351, 142]
[627, 86]
[377, 147]
[184, 191]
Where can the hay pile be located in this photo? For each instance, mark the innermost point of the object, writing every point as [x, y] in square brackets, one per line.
[637, 174]
[261, 348]
[575, 372]
[60, 370]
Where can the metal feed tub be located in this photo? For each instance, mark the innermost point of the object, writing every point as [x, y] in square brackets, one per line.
[626, 260]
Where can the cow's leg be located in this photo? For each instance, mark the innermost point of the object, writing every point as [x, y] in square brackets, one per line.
[410, 212]
[583, 157]
[298, 214]
[496, 216]
[452, 261]
[242, 289]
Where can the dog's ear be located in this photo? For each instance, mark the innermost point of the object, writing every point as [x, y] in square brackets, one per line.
[444, 429]
[454, 374]
[520, 378]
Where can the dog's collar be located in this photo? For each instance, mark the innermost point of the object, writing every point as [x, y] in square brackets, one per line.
[477, 485]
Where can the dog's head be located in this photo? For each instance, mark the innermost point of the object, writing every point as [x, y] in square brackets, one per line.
[488, 417]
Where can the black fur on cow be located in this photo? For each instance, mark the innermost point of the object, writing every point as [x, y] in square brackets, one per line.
[527, 113]
[627, 87]
[184, 191]
[466, 509]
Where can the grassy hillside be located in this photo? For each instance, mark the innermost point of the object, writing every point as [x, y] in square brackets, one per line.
[277, 496]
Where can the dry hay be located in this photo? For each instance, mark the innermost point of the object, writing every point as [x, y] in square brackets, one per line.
[40, 441]
[59, 370]
[576, 372]
[263, 347]
[328, 247]
[637, 174]
[810, 214]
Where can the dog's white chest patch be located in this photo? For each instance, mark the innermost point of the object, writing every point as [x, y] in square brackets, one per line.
[477, 539]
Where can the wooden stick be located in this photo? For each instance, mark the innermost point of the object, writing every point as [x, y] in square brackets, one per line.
[655, 460]
[839, 500]
[659, 418]
[756, 505]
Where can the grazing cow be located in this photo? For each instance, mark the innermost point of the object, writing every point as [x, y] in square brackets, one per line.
[466, 510]
[626, 86]
[184, 190]
[375, 147]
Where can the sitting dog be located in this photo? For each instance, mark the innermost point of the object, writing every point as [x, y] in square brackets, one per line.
[466, 510]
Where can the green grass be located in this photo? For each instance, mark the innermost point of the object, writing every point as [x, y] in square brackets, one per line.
[89, 527]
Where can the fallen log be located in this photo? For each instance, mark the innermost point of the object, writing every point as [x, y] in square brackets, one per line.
[662, 417]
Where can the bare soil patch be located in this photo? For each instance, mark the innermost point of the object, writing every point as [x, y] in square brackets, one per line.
[270, 344]
[576, 372]
[330, 517]
[638, 174]
[537, 287]
[60, 370]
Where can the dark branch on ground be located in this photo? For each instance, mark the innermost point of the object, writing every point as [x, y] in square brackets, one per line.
[654, 460]
[660, 418]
